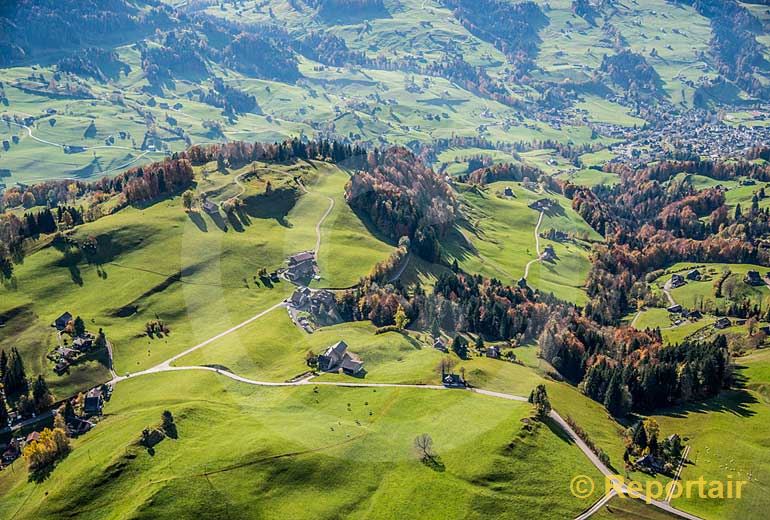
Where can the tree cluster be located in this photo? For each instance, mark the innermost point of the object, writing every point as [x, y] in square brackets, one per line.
[401, 196]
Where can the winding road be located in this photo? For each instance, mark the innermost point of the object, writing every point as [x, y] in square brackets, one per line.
[537, 245]
[165, 366]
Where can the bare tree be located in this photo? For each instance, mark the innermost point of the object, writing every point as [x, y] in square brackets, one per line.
[424, 445]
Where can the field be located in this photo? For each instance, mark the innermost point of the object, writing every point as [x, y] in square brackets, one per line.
[327, 450]
[371, 105]
[728, 438]
[701, 294]
[501, 240]
[196, 272]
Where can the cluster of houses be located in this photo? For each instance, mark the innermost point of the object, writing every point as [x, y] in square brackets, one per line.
[677, 280]
[693, 315]
[77, 425]
[65, 356]
[301, 267]
[321, 304]
[698, 131]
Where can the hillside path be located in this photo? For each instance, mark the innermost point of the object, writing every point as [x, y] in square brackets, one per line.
[667, 292]
[537, 245]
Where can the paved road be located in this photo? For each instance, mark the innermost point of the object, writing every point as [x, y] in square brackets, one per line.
[401, 269]
[165, 367]
[537, 245]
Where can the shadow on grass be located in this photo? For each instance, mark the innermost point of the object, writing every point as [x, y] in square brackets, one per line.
[736, 402]
[40, 475]
[434, 462]
[197, 219]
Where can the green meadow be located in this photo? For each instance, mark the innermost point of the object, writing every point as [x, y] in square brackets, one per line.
[197, 272]
[245, 452]
[500, 240]
[728, 441]
[734, 288]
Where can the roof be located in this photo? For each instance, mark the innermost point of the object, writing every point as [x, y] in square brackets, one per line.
[64, 317]
[351, 363]
[301, 257]
[337, 350]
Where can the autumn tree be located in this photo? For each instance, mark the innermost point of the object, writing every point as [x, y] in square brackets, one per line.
[51, 445]
[539, 398]
[188, 200]
[400, 318]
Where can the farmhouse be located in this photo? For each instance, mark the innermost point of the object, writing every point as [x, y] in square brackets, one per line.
[493, 352]
[300, 297]
[12, 452]
[675, 309]
[94, 401]
[301, 266]
[337, 357]
[301, 258]
[753, 278]
[522, 283]
[549, 253]
[693, 315]
[438, 344]
[677, 280]
[62, 321]
[453, 381]
[508, 191]
[210, 207]
[322, 300]
[82, 343]
[723, 323]
[650, 463]
[694, 275]
[543, 204]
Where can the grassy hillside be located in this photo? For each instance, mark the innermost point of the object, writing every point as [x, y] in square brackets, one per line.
[728, 441]
[327, 451]
[500, 240]
[196, 272]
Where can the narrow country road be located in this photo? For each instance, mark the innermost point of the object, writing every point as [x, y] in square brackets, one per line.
[604, 470]
[537, 245]
[318, 227]
[321, 221]
[167, 363]
[667, 292]
[401, 269]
